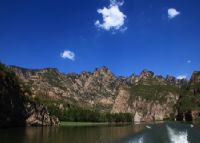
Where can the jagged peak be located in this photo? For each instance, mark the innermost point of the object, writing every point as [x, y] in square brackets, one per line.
[170, 77]
[105, 71]
[103, 68]
[146, 73]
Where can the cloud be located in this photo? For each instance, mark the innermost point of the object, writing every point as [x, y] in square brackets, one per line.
[67, 54]
[189, 61]
[113, 18]
[172, 13]
[181, 77]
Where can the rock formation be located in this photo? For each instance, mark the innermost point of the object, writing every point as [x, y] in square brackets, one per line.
[16, 107]
[147, 97]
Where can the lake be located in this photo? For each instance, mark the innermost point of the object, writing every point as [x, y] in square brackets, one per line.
[152, 133]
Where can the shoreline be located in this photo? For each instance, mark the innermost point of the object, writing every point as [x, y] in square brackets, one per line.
[80, 124]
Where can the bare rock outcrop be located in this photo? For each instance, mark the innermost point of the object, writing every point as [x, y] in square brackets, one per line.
[121, 102]
[147, 97]
[38, 115]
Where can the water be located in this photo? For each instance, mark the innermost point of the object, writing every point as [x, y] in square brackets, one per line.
[166, 133]
[98, 134]
[154, 133]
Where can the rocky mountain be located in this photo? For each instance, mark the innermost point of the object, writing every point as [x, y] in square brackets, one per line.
[195, 82]
[16, 107]
[147, 97]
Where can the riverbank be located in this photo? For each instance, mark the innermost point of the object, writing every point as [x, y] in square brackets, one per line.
[79, 124]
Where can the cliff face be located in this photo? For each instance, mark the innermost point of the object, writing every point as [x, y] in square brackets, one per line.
[15, 107]
[195, 83]
[97, 89]
[37, 115]
[147, 97]
[145, 110]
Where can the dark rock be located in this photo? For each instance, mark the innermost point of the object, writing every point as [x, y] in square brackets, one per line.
[16, 109]
[171, 80]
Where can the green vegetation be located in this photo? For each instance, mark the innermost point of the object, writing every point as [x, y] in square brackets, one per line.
[12, 98]
[52, 77]
[188, 101]
[152, 92]
[12, 111]
[67, 112]
[83, 123]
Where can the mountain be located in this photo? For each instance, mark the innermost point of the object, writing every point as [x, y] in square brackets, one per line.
[146, 97]
[16, 106]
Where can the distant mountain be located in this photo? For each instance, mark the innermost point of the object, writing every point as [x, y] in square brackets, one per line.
[147, 97]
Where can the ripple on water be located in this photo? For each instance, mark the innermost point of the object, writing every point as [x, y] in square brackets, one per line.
[167, 133]
[177, 136]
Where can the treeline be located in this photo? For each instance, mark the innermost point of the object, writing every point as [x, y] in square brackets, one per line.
[77, 114]
[84, 115]
[188, 101]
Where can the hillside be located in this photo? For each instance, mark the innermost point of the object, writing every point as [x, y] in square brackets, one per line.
[146, 97]
[16, 106]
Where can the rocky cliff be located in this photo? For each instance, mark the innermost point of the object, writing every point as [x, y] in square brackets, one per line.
[16, 107]
[147, 97]
[195, 83]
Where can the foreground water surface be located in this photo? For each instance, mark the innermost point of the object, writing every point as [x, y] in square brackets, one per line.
[153, 133]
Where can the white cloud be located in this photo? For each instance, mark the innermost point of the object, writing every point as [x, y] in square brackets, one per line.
[189, 61]
[67, 54]
[181, 77]
[113, 18]
[172, 13]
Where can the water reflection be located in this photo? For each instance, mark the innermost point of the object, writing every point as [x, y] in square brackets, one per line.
[154, 133]
[103, 134]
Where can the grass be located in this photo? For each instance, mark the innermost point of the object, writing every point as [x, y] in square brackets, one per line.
[90, 124]
[72, 124]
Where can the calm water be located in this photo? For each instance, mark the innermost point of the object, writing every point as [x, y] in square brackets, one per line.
[155, 133]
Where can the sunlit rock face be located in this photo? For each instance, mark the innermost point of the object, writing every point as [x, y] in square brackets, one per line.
[147, 97]
[121, 102]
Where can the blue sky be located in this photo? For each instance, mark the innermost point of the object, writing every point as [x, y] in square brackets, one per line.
[126, 36]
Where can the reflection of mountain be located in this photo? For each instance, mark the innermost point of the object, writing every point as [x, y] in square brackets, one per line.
[147, 97]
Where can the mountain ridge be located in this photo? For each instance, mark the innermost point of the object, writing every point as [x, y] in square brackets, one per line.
[147, 97]
[101, 68]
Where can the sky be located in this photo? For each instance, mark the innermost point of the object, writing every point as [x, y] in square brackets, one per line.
[126, 36]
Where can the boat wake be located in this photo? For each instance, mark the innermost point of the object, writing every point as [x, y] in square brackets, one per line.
[177, 136]
[167, 133]
[138, 140]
